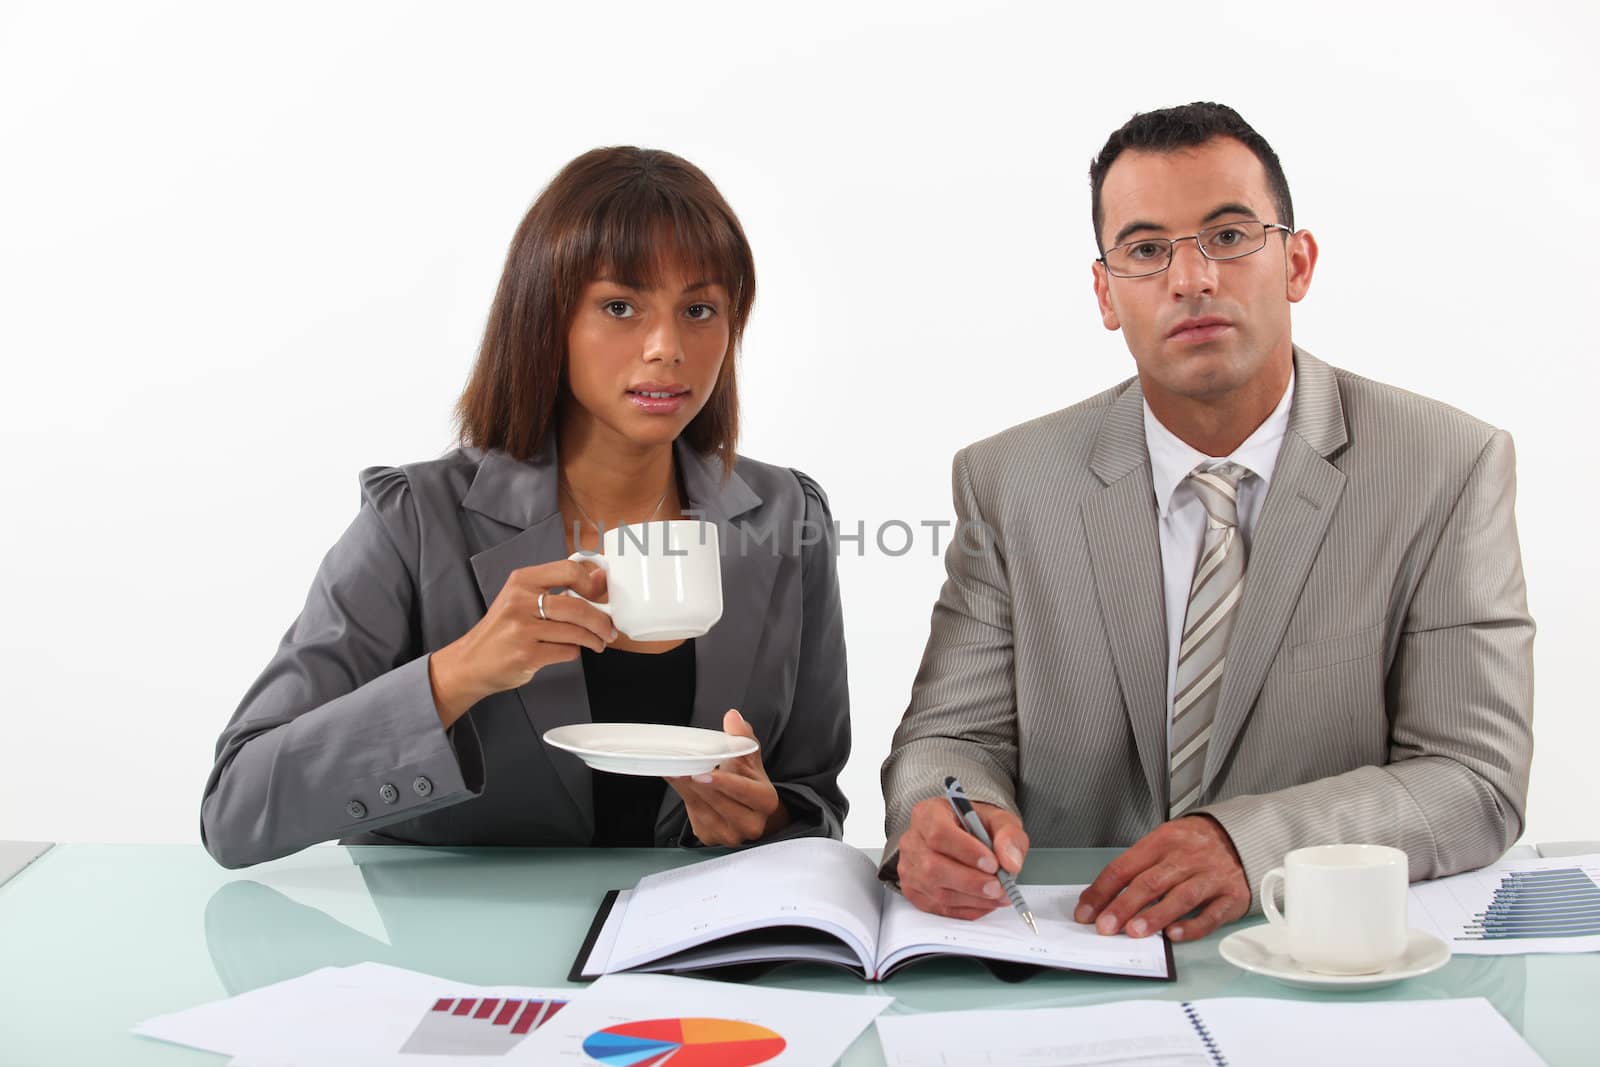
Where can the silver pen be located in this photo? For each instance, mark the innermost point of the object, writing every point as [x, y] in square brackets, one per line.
[957, 797]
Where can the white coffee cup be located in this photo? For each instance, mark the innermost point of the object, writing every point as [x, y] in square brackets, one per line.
[1346, 906]
[663, 579]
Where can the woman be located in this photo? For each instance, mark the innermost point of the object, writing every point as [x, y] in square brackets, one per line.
[407, 702]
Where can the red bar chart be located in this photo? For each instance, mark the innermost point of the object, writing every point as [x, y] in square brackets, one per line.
[478, 1026]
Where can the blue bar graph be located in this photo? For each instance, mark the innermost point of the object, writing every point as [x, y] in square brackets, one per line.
[1564, 902]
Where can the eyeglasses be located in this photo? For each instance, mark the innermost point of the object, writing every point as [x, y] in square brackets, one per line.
[1152, 255]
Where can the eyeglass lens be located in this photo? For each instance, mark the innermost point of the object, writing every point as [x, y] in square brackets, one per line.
[1153, 255]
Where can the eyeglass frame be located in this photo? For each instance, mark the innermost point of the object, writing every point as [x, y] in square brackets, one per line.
[1172, 247]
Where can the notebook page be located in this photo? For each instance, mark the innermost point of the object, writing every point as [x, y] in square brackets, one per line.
[815, 882]
[1002, 935]
[777, 946]
[1256, 1032]
[1135, 1033]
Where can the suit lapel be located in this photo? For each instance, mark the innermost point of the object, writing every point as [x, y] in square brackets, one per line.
[1294, 519]
[725, 655]
[523, 495]
[1119, 524]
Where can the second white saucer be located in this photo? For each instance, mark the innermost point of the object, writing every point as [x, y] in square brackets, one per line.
[1264, 950]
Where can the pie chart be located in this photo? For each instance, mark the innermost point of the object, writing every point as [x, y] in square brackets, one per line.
[683, 1043]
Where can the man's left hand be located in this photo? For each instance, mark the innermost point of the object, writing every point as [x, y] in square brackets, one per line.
[1186, 867]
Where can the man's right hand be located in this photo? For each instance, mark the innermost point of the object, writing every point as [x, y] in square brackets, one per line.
[945, 870]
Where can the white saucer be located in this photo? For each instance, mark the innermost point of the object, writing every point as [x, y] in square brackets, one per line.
[1265, 950]
[648, 749]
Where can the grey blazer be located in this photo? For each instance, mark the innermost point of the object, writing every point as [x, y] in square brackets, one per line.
[339, 737]
[1379, 679]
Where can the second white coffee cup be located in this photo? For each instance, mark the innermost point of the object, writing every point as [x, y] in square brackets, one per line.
[663, 579]
[1344, 906]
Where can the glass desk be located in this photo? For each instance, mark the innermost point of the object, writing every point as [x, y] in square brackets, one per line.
[96, 938]
[15, 855]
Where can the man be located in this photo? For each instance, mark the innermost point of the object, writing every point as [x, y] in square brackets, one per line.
[1241, 603]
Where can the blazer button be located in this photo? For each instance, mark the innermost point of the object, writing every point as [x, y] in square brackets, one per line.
[356, 809]
[389, 793]
[421, 786]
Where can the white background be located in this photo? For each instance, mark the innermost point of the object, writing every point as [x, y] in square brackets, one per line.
[246, 251]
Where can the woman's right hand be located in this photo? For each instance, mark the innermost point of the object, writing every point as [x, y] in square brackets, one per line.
[511, 643]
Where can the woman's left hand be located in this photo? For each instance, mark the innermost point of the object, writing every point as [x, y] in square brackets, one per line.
[736, 802]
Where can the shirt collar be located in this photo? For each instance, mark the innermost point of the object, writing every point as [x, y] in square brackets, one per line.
[1171, 459]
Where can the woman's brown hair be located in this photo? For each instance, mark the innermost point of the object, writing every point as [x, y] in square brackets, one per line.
[626, 213]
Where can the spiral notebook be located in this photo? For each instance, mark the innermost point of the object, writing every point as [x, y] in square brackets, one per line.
[1220, 1032]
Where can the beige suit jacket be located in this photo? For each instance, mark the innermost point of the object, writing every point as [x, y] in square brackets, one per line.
[1379, 679]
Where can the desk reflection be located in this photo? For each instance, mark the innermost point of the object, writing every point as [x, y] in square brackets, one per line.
[472, 917]
[480, 915]
[492, 918]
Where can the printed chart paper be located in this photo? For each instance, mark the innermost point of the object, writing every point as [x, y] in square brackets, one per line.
[1514, 907]
[369, 1013]
[480, 1026]
[641, 1020]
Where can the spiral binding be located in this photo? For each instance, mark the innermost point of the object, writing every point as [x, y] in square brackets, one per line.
[1206, 1039]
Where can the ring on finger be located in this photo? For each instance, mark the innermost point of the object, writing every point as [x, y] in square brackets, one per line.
[542, 615]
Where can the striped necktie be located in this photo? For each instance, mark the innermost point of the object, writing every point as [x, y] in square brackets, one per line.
[1213, 605]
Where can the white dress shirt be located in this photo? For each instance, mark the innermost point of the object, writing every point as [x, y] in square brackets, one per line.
[1182, 518]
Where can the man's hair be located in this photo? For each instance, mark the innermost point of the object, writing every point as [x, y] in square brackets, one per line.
[1187, 126]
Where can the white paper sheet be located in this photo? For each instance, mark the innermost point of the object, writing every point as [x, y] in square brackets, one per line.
[1567, 897]
[629, 1015]
[1149, 1033]
[369, 1014]
[1466, 1032]
[229, 1026]
[1245, 1031]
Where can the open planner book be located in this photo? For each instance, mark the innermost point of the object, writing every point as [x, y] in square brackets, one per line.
[819, 900]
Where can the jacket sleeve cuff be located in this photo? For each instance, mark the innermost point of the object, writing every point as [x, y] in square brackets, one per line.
[1253, 835]
[808, 817]
[417, 766]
